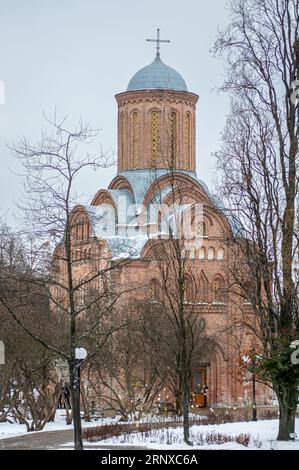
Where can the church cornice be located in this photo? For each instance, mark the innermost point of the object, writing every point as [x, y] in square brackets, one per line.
[156, 96]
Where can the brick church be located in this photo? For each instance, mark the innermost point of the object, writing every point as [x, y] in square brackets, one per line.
[157, 152]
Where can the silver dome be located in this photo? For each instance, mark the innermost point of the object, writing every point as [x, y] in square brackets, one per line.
[157, 75]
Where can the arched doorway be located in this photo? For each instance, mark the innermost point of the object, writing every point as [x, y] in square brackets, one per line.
[208, 381]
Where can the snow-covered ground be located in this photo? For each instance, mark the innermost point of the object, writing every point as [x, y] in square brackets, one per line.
[15, 429]
[12, 430]
[262, 436]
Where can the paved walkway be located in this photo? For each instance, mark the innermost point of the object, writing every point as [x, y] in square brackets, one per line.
[39, 440]
[49, 440]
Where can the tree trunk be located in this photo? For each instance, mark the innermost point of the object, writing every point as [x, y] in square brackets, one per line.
[287, 399]
[179, 399]
[86, 408]
[185, 379]
[75, 399]
[186, 414]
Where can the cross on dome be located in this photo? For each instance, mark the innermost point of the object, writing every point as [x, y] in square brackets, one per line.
[158, 41]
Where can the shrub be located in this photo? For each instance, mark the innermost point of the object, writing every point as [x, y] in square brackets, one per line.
[112, 430]
[162, 435]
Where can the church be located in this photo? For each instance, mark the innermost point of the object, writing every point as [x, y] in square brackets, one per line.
[156, 157]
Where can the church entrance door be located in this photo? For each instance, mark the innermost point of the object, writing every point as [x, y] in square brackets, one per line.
[199, 387]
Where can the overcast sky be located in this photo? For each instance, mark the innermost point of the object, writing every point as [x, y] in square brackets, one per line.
[75, 55]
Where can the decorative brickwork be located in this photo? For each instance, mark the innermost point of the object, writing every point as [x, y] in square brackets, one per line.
[167, 129]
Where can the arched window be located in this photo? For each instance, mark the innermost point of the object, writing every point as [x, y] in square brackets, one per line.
[200, 229]
[189, 289]
[154, 136]
[121, 140]
[202, 253]
[203, 291]
[220, 254]
[211, 253]
[154, 290]
[80, 229]
[135, 138]
[87, 229]
[173, 223]
[187, 141]
[173, 132]
[218, 289]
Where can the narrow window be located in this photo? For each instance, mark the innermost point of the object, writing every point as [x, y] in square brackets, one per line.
[203, 291]
[218, 289]
[173, 124]
[121, 140]
[154, 131]
[220, 254]
[188, 141]
[211, 253]
[201, 230]
[136, 138]
[153, 290]
[189, 289]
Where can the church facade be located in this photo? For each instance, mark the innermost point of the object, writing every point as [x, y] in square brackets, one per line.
[156, 159]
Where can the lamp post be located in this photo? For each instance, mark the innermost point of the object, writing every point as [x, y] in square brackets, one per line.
[254, 411]
[80, 355]
[2, 362]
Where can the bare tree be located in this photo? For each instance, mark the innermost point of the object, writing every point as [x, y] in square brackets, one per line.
[259, 161]
[125, 374]
[184, 326]
[29, 381]
[80, 298]
[178, 282]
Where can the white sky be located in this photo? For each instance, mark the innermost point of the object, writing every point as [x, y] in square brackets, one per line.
[75, 55]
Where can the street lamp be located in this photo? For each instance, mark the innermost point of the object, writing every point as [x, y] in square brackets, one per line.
[80, 355]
